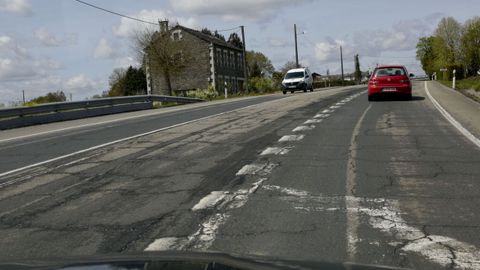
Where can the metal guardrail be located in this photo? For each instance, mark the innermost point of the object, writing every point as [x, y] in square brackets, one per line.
[88, 104]
[61, 111]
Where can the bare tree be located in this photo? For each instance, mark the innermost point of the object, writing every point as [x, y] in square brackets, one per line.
[450, 32]
[164, 53]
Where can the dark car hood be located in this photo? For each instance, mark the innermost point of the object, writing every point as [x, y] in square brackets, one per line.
[180, 260]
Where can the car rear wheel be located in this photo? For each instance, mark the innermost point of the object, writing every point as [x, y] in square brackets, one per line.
[284, 92]
[371, 98]
[292, 91]
[408, 97]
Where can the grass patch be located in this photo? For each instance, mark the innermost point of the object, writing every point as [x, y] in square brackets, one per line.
[465, 84]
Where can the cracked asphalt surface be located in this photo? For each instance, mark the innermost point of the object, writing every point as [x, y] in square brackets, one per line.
[388, 183]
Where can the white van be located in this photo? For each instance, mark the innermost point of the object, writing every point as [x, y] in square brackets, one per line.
[298, 79]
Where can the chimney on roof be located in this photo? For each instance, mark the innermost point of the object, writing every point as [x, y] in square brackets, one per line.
[163, 26]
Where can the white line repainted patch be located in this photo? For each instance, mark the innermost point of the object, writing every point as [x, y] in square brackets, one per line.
[452, 120]
[303, 128]
[385, 215]
[256, 169]
[204, 237]
[321, 115]
[163, 244]
[291, 138]
[275, 151]
[209, 201]
[313, 121]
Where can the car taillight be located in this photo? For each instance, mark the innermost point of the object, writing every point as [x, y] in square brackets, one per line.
[373, 82]
[405, 81]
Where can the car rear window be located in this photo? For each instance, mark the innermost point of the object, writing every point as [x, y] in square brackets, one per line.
[394, 71]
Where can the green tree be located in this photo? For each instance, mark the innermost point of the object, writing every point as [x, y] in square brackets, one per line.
[449, 32]
[358, 72]
[235, 40]
[219, 36]
[131, 81]
[258, 64]
[207, 31]
[426, 54]
[57, 96]
[470, 44]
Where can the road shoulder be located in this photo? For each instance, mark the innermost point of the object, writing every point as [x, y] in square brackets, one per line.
[464, 110]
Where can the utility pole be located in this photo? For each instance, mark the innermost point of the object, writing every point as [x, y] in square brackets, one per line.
[23, 94]
[296, 47]
[341, 59]
[245, 74]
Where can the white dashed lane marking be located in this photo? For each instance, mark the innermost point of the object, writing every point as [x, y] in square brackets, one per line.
[291, 138]
[321, 115]
[276, 151]
[313, 121]
[303, 128]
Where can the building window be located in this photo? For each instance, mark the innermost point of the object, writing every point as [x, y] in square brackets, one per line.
[176, 35]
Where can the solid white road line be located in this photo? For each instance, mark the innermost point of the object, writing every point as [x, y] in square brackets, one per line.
[452, 120]
[352, 217]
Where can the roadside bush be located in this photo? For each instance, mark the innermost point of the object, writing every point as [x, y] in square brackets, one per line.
[205, 94]
[261, 85]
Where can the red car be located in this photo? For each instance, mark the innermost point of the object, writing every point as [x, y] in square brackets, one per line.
[389, 81]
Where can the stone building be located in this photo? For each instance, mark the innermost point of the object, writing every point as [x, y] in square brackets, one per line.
[214, 62]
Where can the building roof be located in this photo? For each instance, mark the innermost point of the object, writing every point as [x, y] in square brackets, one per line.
[207, 38]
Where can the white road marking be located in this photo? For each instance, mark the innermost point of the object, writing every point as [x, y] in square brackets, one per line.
[204, 237]
[303, 128]
[321, 115]
[291, 138]
[352, 218]
[333, 107]
[313, 121]
[162, 244]
[123, 140]
[275, 151]
[452, 120]
[209, 201]
[340, 103]
[385, 215]
[327, 111]
[254, 169]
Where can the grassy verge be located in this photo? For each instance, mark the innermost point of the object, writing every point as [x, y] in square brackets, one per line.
[470, 87]
[465, 84]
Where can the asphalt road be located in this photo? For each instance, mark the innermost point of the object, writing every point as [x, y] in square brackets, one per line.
[322, 176]
[26, 151]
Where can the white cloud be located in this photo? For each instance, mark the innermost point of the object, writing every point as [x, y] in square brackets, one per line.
[17, 64]
[329, 50]
[128, 28]
[5, 40]
[255, 10]
[21, 7]
[48, 39]
[83, 87]
[104, 50]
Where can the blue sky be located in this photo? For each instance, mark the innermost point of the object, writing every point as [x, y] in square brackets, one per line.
[54, 45]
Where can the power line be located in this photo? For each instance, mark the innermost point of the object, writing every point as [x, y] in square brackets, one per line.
[230, 29]
[115, 13]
